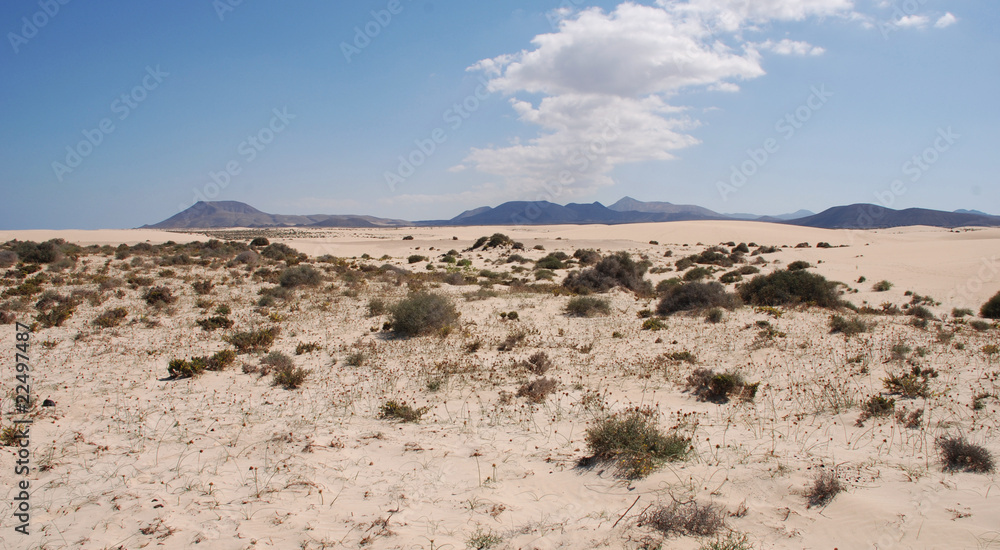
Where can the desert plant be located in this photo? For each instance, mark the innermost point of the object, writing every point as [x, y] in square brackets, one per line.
[697, 274]
[260, 241]
[798, 265]
[881, 286]
[537, 390]
[306, 347]
[688, 518]
[653, 324]
[683, 356]
[921, 312]
[7, 258]
[538, 363]
[587, 306]
[299, 276]
[979, 325]
[848, 327]
[415, 258]
[211, 323]
[732, 540]
[202, 286]
[159, 296]
[376, 307]
[695, 296]
[182, 368]
[111, 318]
[397, 410]
[618, 269]
[255, 340]
[790, 287]
[707, 385]
[422, 313]
[714, 315]
[824, 487]
[915, 383]
[483, 540]
[958, 313]
[587, 257]
[289, 377]
[959, 454]
[877, 406]
[633, 442]
[355, 359]
[991, 309]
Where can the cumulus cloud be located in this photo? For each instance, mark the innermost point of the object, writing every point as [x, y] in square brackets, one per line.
[598, 89]
[791, 47]
[912, 21]
[946, 20]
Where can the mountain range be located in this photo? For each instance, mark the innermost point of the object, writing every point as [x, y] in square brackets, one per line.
[218, 214]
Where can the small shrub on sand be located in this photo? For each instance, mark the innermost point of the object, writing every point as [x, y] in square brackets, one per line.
[181, 368]
[695, 296]
[697, 274]
[683, 356]
[848, 327]
[979, 325]
[991, 309]
[633, 442]
[397, 410]
[790, 287]
[921, 312]
[376, 307]
[653, 324]
[483, 540]
[714, 315]
[422, 313]
[915, 383]
[960, 455]
[876, 406]
[289, 377]
[537, 390]
[689, 518]
[300, 276]
[306, 347]
[202, 286]
[707, 385]
[277, 360]
[958, 313]
[159, 296]
[882, 286]
[618, 269]
[798, 265]
[587, 306]
[355, 359]
[538, 363]
[251, 341]
[7, 258]
[824, 487]
[732, 540]
[111, 318]
[211, 323]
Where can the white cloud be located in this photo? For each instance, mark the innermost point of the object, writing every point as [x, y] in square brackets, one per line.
[600, 85]
[912, 21]
[946, 20]
[791, 47]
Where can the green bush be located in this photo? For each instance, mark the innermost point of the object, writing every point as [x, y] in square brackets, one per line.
[587, 306]
[618, 269]
[415, 258]
[633, 442]
[697, 274]
[707, 385]
[211, 323]
[255, 340]
[289, 377]
[159, 296]
[882, 286]
[111, 318]
[396, 410]
[695, 296]
[422, 313]
[260, 241]
[848, 327]
[798, 265]
[653, 324]
[300, 275]
[790, 287]
[991, 309]
[181, 368]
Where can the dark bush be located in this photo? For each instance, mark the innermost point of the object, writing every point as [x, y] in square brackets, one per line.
[587, 306]
[689, 518]
[537, 390]
[422, 313]
[7, 258]
[159, 296]
[37, 253]
[202, 286]
[260, 241]
[790, 287]
[538, 363]
[921, 312]
[587, 256]
[618, 269]
[279, 252]
[395, 410]
[180, 368]
[253, 340]
[550, 262]
[959, 454]
[697, 274]
[798, 265]
[848, 327]
[111, 317]
[300, 275]
[414, 258]
[211, 323]
[714, 315]
[991, 309]
[825, 486]
[633, 442]
[881, 286]
[695, 296]
[707, 385]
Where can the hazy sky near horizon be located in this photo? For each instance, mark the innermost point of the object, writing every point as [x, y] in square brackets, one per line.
[118, 114]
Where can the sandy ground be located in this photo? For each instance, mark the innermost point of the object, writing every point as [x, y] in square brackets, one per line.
[130, 459]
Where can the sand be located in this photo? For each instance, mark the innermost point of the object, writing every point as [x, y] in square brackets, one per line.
[129, 458]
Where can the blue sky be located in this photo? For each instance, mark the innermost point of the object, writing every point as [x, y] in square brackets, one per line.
[118, 114]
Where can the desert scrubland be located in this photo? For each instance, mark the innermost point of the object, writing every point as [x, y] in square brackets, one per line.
[553, 387]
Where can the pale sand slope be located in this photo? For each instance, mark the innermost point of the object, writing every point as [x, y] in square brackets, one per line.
[226, 460]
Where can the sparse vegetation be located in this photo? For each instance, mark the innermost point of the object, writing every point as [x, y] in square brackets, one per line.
[848, 327]
[211, 323]
[587, 306]
[537, 390]
[633, 442]
[182, 368]
[881, 286]
[958, 454]
[824, 487]
[688, 518]
[159, 296]
[707, 385]
[616, 270]
[422, 313]
[299, 276]
[790, 287]
[695, 296]
[251, 341]
[397, 410]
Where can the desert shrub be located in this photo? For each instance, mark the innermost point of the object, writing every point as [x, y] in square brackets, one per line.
[538, 363]
[537, 390]
[483, 540]
[618, 269]
[408, 238]
[683, 263]
[991, 309]
[182, 368]
[790, 287]
[958, 313]
[877, 406]
[111, 318]
[202, 286]
[545, 274]
[397, 410]
[288, 376]
[306, 347]
[653, 324]
[697, 274]
[279, 252]
[633, 442]
[664, 285]
[732, 540]
[7, 258]
[376, 307]
[300, 275]
[277, 360]
[707, 385]
[422, 313]
[159, 296]
[915, 383]
[260, 241]
[514, 337]
[882, 286]
[959, 454]
[415, 258]
[587, 306]
[979, 325]
[688, 518]
[798, 265]
[824, 487]
[587, 256]
[247, 257]
[848, 327]
[714, 315]
[550, 262]
[251, 341]
[37, 253]
[211, 323]
[57, 314]
[729, 277]
[920, 312]
[355, 359]
[683, 356]
[695, 296]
